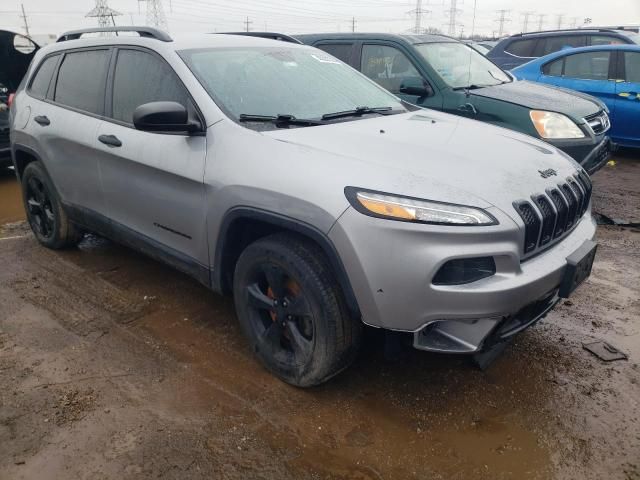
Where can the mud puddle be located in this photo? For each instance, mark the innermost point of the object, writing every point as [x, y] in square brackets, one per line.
[11, 208]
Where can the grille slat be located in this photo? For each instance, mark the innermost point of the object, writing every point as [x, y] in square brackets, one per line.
[552, 215]
[548, 219]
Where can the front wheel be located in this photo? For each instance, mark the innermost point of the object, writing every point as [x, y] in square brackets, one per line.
[292, 310]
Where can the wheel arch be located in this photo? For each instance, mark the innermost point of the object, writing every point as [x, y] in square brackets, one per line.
[23, 156]
[244, 225]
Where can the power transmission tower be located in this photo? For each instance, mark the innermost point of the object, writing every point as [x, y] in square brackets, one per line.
[541, 18]
[525, 21]
[103, 13]
[560, 19]
[453, 13]
[247, 24]
[502, 19]
[155, 14]
[418, 12]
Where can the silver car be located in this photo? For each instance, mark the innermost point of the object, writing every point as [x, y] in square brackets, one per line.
[273, 171]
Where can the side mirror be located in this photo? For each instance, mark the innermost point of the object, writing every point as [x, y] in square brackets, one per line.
[163, 117]
[417, 87]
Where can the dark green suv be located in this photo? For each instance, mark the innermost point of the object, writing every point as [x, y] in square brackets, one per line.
[442, 73]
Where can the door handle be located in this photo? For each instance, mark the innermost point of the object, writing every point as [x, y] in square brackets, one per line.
[42, 120]
[468, 108]
[110, 140]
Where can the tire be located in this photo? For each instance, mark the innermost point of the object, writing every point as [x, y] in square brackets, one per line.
[293, 312]
[46, 216]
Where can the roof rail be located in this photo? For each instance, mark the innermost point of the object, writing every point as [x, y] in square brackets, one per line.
[270, 35]
[594, 29]
[147, 32]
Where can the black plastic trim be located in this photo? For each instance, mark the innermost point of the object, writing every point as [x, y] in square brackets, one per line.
[291, 224]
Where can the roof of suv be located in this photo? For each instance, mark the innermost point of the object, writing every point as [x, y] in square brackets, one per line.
[408, 38]
[571, 31]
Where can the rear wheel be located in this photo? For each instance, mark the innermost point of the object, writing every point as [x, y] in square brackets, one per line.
[45, 214]
[292, 310]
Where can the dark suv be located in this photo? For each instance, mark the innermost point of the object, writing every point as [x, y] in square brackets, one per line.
[519, 49]
[441, 73]
[16, 53]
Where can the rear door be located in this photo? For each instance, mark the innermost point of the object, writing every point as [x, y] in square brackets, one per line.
[627, 117]
[65, 121]
[153, 182]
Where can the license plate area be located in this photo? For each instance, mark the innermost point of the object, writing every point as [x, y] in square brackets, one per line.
[579, 265]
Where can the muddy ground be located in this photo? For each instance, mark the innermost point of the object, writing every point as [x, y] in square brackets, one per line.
[115, 366]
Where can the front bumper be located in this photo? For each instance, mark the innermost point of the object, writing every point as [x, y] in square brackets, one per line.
[592, 153]
[391, 266]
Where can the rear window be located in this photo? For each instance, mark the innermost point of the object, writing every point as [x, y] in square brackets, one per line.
[341, 51]
[42, 78]
[521, 48]
[81, 80]
[606, 40]
[554, 44]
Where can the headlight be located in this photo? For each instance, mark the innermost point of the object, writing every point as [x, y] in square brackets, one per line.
[554, 125]
[384, 205]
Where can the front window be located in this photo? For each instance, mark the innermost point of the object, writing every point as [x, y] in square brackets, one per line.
[301, 82]
[460, 66]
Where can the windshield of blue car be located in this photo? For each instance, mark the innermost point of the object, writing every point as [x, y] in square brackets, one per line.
[298, 82]
[460, 66]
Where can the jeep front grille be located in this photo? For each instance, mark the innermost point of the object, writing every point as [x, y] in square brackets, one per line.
[553, 214]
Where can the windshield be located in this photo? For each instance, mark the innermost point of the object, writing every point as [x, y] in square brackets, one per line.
[460, 66]
[269, 81]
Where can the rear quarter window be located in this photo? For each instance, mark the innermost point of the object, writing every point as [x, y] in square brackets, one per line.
[42, 78]
[553, 69]
[521, 48]
[81, 80]
[341, 51]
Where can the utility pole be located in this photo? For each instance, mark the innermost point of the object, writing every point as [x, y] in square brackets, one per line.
[453, 13]
[525, 21]
[353, 24]
[502, 19]
[155, 14]
[418, 12]
[574, 22]
[560, 19]
[247, 25]
[103, 13]
[541, 18]
[24, 17]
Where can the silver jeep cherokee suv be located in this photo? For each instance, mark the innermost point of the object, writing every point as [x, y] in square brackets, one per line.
[276, 172]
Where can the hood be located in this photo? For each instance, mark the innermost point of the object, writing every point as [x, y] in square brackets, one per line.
[434, 155]
[543, 97]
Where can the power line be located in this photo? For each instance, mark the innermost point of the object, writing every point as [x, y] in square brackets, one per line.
[453, 12]
[502, 19]
[155, 14]
[418, 12]
[24, 17]
[525, 21]
[541, 18]
[103, 13]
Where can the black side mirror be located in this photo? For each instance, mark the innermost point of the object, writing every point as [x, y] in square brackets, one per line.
[417, 87]
[163, 117]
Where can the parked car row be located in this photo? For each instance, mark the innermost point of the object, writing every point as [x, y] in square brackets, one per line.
[273, 171]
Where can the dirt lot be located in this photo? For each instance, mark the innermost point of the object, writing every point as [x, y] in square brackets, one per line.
[114, 366]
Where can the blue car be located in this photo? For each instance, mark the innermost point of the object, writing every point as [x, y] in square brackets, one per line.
[609, 72]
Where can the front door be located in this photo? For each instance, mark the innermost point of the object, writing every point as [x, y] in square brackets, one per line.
[392, 69]
[153, 182]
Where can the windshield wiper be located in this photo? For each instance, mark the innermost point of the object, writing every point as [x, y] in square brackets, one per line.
[280, 120]
[357, 112]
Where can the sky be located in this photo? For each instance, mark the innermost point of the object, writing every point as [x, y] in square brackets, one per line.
[306, 16]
